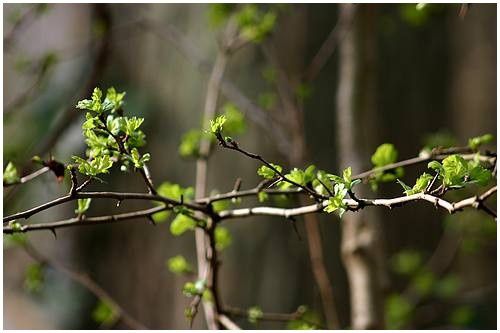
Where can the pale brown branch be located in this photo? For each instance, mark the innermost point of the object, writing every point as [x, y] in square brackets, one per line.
[271, 316]
[227, 323]
[354, 205]
[29, 177]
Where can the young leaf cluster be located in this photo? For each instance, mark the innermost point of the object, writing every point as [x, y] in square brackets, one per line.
[231, 119]
[334, 187]
[110, 137]
[10, 174]
[456, 172]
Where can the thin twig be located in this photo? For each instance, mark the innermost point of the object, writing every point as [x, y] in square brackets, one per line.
[29, 177]
[227, 323]
[234, 146]
[327, 49]
[193, 55]
[84, 221]
[86, 282]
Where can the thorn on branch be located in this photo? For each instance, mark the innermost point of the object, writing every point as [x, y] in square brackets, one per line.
[150, 220]
[237, 185]
[431, 183]
[294, 225]
[74, 181]
[84, 184]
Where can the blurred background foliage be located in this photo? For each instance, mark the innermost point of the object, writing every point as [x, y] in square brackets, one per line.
[434, 84]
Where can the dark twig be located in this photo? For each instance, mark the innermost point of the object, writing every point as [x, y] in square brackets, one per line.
[109, 195]
[84, 221]
[235, 147]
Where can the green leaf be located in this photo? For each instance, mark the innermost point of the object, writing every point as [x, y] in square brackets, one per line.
[435, 165]
[307, 320]
[114, 98]
[296, 175]
[222, 238]
[94, 104]
[218, 13]
[267, 172]
[336, 203]
[384, 155]
[175, 191]
[398, 311]
[132, 124]
[424, 282]
[235, 120]
[477, 141]
[254, 314]
[139, 160]
[478, 174]
[322, 180]
[262, 196]
[346, 174]
[405, 187]
[191, 289]
[181, 224]
[303, 91]
[461, 316]
[406, 262]
[217, 124]
[420, 185]
[10, 174]
[447, 287]
[255, 24]
[179, 265]
[267, 100]
[34, 277]
[161, 217]
[190, 143]
[104, 313]
[309, 174]
[455, 169]
[355, 182]
[82, 205]
[98, 165]
[15, 239]
[91, 122]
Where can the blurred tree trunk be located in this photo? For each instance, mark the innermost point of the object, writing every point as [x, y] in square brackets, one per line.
[473, 97]
[473, 81]
[361, 241]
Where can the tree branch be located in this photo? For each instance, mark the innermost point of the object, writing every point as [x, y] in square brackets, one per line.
[105, 195]
[476, 202]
